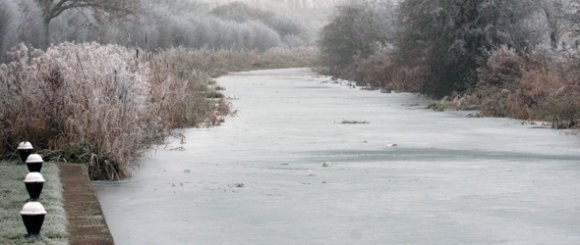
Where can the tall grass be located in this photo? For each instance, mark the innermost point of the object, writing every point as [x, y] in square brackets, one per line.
[78, 102]
[94, 104]
[220, 62]
[380, 71]
[104, 104]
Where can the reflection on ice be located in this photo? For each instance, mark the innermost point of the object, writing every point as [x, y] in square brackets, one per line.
[261, 178]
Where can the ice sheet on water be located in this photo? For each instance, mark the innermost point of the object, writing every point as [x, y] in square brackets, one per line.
[450, 180]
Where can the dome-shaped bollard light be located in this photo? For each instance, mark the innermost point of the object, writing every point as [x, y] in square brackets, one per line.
[33, 216]
[34, 183]
[24, 150]
[34, 163]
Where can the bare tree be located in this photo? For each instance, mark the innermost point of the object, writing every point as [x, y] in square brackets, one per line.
[53, 8]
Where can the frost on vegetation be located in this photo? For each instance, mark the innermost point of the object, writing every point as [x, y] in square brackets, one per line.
[104, 104]
[540, 85]
[504, 58]
[155, 25]
[96, 104]
[219, 62]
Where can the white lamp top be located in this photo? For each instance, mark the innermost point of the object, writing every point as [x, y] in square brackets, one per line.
[34, 177]
[25, 145]
[33, 158]
[33, 208]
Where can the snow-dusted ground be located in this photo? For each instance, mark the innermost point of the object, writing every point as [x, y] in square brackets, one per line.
[259, 179]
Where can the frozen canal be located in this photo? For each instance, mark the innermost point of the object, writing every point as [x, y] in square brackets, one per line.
[259, 178]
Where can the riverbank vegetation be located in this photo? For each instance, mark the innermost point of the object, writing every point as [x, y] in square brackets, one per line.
[13, 195]
[104, 104]
[505, 58]
[116, 78]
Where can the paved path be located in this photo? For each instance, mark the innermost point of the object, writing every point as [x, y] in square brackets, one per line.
[87, 225]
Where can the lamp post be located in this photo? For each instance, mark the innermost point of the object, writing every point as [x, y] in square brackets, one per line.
[33, 216]
[24, 150]
[34, 183]
[34, 163]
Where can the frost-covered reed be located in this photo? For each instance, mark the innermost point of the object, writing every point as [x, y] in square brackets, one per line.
[91, 103]
[219, 62]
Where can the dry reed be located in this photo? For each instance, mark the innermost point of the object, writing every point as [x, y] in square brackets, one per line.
[536, 86]
[99, 105]
[381, 71]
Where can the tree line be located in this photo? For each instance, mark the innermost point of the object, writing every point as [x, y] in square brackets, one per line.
[149, 24]
[451, 38]
[444, 47]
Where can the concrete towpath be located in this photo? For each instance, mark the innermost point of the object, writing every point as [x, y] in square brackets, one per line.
[86, 222]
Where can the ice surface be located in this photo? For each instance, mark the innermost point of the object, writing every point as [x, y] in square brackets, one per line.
[259, 178]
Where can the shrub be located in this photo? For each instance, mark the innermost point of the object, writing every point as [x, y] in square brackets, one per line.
[503, 66]
[532, 89]
[540, 85]
[380, 71]
[357, 30]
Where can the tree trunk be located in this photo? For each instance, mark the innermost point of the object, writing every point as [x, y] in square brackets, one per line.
[46, 7]
[46, 34]
[554, 39]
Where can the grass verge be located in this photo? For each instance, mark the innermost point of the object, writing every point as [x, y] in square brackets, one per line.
[13, 196]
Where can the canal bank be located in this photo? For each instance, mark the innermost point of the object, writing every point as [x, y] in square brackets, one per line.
[86, 223]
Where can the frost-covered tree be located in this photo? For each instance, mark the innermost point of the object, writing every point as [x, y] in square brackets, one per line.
[161, 26]
[561, 19]
[289, 28]
[357, 29]
[451, 37]
[19, 22]
[156, 24]
[241, 12]
[573, 18]
[6, 25]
